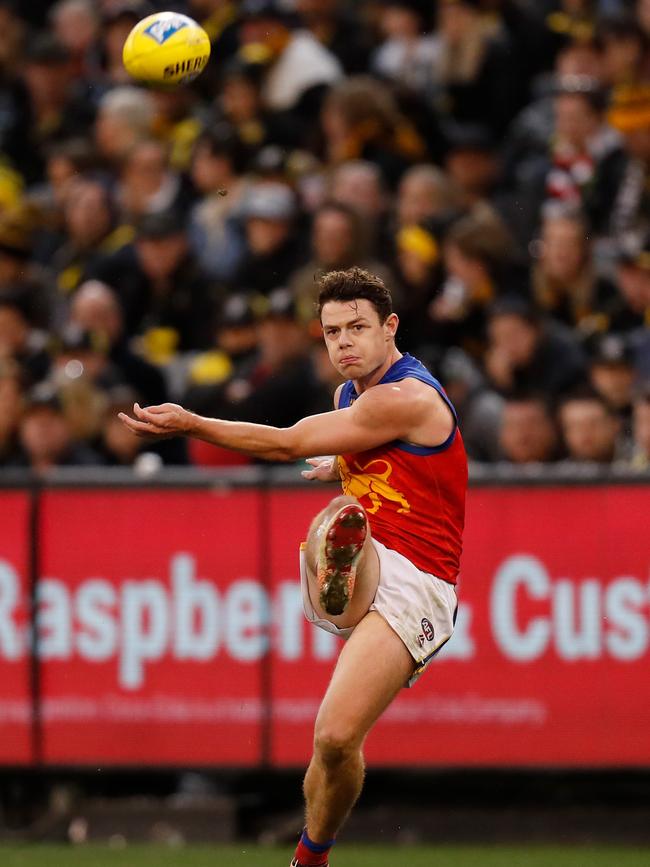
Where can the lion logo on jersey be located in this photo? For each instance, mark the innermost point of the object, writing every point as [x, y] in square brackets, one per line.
[371, 481]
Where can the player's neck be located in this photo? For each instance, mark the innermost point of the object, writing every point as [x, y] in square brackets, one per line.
[366, 382]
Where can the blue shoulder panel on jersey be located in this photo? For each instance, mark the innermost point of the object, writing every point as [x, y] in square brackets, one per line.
[407, 367]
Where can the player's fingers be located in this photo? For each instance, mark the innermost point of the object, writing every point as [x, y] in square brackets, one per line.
[308, 474]
[137, 427]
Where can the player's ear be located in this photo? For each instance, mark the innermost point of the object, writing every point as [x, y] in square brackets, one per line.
[390, 326]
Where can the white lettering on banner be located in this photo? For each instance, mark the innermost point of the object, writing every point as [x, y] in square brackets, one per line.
[139, 622]
[585, 620]
[10, 643]
[97, 638]
[196, 612]
[527, 573]
[145, 628]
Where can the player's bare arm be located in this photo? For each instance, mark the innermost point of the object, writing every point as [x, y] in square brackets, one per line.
[399, 411]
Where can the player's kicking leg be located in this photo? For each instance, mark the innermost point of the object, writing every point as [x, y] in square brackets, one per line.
[342, 565]
[372, 668]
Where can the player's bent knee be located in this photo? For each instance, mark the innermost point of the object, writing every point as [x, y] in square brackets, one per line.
[333, 747]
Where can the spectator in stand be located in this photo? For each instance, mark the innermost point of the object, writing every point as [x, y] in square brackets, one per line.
[527, 433]
[409, 52]
[20, 342]
[339, 31]
[471, 163]
[12, 391]
[117, 21]
[359, 185]
[623, 49]
[95, 309]
[58, 109]
[426, 193]
[478, 258]
[126, 115]
[299, 68]
[564, 282]
[612, 374]
[92, 232]
[166, 298]
[361, 120]
[20, 277]
[336, 244]
[75, 24]
[640, 459]
[524, 352]
[476, 83]
[217, 172]
[629, 310]
[148, 184]
[590, 429]
[45, 437]
[273, 248]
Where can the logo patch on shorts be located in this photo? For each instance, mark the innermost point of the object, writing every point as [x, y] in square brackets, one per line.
[161, 31]
[427, 629]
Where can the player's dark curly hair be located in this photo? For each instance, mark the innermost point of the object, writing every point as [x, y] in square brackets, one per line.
[352, 284]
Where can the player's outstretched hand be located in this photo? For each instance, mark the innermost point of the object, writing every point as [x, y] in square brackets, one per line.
[158, 422]
[325, 469]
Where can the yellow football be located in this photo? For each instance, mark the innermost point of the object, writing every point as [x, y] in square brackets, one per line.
[166, 49]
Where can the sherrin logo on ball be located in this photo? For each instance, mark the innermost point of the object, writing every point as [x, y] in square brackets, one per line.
[166, 49]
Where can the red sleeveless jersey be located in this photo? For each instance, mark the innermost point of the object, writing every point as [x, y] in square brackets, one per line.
[414, 496]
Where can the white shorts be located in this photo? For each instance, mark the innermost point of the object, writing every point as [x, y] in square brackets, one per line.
[419, 607]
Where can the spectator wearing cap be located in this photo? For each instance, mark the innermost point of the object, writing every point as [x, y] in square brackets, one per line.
[612, 374]
[280, 385]
[166, 297]
[640, 457]
[361, 119]
[217, 172]
[564, 282]
[45, 436]
[526, 353]
[629, 310]
[273, 247]
[20, 342]
[233, 355]
[336, 244]
[590, 427]
[471, 163]
[527, 430]
[58, 109]
[299, 68]
[96, 310]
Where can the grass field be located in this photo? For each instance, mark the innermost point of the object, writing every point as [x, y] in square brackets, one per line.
[346, 856]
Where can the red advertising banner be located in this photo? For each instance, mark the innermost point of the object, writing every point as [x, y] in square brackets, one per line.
[151, 633]
[549, 663]
[15, 703]
[156, 609]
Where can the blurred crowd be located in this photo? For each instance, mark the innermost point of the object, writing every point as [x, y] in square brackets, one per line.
[490, 159]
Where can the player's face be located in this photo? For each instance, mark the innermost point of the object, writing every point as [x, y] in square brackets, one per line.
[357, 342]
